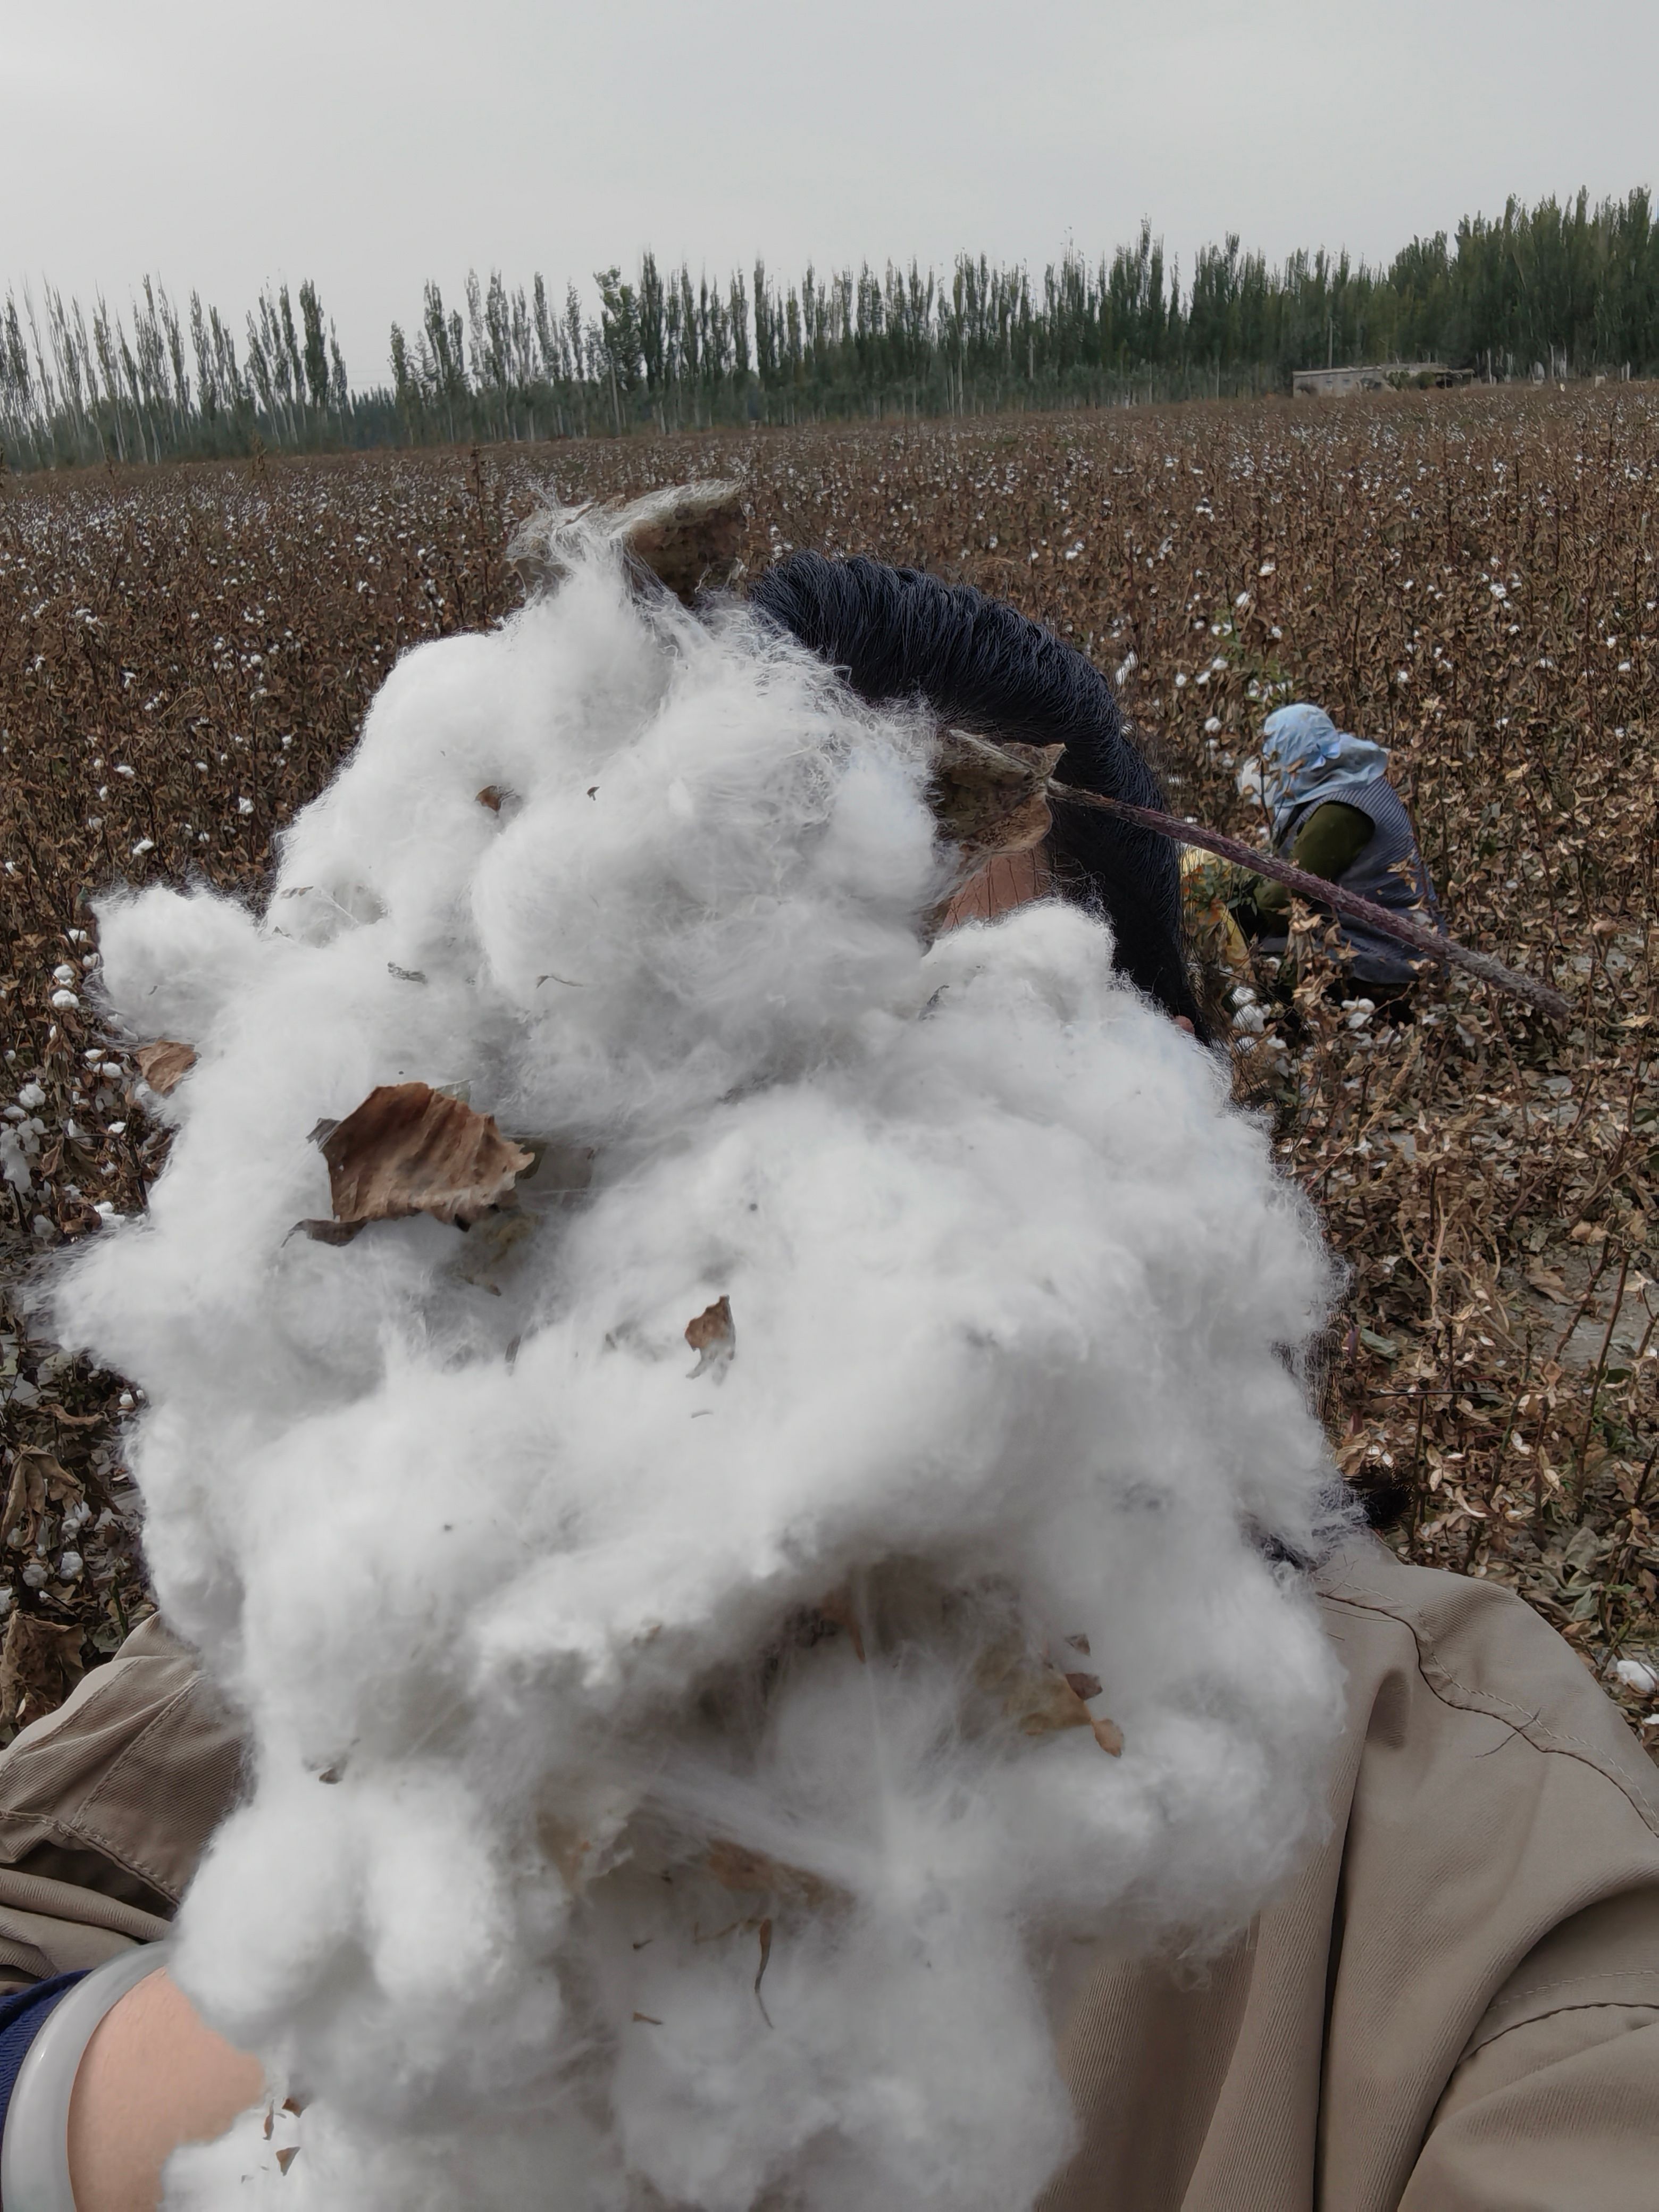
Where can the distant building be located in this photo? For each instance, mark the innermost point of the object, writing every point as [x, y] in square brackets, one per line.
[1387, 376]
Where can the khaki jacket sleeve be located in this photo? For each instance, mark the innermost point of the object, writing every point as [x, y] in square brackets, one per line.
[105, 1806]
[1455, 2005]
[1499, 1904]
[1556, 2099]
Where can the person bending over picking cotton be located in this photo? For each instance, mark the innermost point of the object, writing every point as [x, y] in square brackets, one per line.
[1333, 813]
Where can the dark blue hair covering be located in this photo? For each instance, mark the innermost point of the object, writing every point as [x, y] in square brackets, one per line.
[898, 634]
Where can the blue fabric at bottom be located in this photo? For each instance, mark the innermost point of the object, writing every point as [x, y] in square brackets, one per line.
[21, 2018]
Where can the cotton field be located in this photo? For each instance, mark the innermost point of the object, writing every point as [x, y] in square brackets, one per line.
[187, 655]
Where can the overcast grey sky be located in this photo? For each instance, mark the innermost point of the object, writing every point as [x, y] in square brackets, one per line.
[371, 143]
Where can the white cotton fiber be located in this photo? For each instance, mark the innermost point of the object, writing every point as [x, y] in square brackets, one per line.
[585, 1676]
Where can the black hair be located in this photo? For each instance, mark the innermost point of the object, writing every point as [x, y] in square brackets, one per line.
[898, 633]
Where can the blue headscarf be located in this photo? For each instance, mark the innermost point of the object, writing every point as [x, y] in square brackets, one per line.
[1304, 757]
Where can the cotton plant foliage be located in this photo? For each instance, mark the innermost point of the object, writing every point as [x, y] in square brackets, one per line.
[686, 1767]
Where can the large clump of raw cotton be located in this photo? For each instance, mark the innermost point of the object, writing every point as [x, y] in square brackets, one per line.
[675, 1760]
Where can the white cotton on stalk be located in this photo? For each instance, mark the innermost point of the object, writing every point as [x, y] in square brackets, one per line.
[652, 1798]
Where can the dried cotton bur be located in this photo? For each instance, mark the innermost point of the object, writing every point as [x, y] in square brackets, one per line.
[990, 801]
[689, 536]
[990, 796]
[630, 1683]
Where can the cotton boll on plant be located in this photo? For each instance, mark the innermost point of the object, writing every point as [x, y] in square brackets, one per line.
[714, 1631]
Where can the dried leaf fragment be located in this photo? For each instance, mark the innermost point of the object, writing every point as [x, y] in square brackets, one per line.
[1059, 1704]
[713, 1336]
[760, 1972]
[26, 1498]
[410, 1149]
[286, 2158]
[328, 1233]
[1041, 1699]
[37, 1478]
[570, 1851]
[735, 1867]
[491, 1251]
[838, 1607]
[39, 1665]
[165, 1064]
[560, 1165]
[1047, 1702]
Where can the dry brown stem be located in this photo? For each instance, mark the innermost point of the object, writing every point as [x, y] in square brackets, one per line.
[1429, 943]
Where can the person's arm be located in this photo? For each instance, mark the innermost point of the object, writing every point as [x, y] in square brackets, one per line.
[1328, 842]
[152, 2077]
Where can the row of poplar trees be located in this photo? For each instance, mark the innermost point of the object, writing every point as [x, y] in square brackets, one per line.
[1562, 288]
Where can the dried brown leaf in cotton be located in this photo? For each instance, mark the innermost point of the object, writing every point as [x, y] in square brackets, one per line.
[570, 1851]
[1030, 1690]
[410, 1149]
[1047, 1703]
[559, 1166]
[328, 1233]
[493, 1250]
[838, 1608]
[750, 1873]
[713, 1336]
[760, 1972]
[165, 1064]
